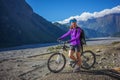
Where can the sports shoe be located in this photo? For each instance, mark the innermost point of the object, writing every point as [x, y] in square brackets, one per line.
[73, 63]
[76, 69]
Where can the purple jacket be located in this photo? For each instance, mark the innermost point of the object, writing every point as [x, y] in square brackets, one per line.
[75, 36]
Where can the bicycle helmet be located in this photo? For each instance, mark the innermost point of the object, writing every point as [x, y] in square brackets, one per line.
[73, 20]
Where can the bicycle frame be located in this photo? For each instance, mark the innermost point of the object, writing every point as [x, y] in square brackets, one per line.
[64, 46]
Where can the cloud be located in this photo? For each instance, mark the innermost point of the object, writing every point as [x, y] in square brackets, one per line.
[86, 15]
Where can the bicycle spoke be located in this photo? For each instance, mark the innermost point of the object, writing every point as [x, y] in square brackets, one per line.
[56, 62]
[88, 59]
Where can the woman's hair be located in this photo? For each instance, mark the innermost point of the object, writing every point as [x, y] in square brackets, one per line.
[71, 27]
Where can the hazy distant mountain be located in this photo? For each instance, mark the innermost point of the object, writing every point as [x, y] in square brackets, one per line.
[62, 26]
[19, 25]
[104, 23]
[116, 34]
[89, 33]
[109, 24]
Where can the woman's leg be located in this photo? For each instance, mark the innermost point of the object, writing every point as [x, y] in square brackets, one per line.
[79, 58]
[71, 55]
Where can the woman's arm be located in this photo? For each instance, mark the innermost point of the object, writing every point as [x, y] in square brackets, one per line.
[66, 34]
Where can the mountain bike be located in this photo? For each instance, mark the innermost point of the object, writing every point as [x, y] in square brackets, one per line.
[57, 61]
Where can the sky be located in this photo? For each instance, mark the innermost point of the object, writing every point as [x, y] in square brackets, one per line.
[58, 10]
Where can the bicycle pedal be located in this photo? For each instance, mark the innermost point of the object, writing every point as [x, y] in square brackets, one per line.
[73, 64]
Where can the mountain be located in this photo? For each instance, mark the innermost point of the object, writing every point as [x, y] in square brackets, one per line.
[104, 23]
[116, 34]
[109, 24]
[62, 26]
[89, 33]
[19, 25]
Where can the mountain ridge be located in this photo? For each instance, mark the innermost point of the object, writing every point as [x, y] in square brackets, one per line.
[19, 25]
[108, 25]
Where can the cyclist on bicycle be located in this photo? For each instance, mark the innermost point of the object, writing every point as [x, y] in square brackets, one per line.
[75, 33]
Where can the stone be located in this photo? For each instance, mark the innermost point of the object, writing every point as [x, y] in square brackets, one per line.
[98, 50]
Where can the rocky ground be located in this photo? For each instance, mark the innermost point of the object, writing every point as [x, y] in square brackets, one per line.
[30, 64]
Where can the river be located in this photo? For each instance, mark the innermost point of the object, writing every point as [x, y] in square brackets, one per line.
[102, 40]
[91, 41]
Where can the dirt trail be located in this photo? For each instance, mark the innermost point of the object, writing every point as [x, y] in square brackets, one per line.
[32, 65]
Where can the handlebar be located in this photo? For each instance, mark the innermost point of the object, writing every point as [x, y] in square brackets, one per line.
[62, 42]
[64, 46]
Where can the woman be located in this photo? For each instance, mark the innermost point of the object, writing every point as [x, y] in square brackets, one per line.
[75, 33]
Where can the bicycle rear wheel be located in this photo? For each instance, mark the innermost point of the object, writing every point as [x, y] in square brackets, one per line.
[56, 62]
[88, 59]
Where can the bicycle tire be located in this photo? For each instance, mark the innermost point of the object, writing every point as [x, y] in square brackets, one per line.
[86, 54]
[49, 61]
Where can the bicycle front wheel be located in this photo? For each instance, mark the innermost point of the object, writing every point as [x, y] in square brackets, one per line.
[88, 59]
[56, 62]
